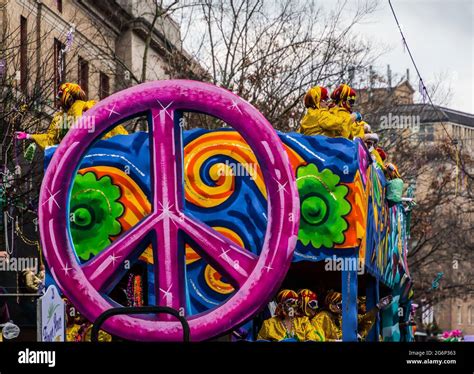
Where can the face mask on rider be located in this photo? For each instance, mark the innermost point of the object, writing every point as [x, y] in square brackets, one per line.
[290, 306]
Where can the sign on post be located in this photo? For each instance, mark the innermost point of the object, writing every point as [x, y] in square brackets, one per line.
[51, 316]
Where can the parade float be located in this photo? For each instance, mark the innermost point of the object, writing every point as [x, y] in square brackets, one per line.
[212, 223]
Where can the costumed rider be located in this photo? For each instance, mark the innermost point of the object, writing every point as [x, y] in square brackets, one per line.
[286, 325]
[34, 283]
[318, 120]
[394, 184]
[308, 307]
[371, 140]
[330, 319]
[73, 103]
[383, 155]
[365, 320]
[343, 99]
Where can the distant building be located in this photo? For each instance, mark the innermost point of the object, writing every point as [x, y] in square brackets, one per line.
[394, 109]
[456, 314]
[402, 94]
[109, 38]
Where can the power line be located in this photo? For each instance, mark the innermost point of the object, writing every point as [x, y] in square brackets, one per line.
[422, 84]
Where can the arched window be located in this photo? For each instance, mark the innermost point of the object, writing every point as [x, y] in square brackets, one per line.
[470, 315]
[459, 315]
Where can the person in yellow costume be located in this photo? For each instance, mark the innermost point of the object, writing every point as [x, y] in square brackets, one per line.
[330, 319]
[73, 103]
[286, 324]
[318, 120]
[308, 306]
[365, 320]
[343, 99]
[358, 129]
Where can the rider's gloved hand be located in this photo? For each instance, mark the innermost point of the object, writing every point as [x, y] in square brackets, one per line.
[20, 135]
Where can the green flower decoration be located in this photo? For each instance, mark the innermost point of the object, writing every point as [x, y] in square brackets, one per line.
[94, 211]
[323, 207]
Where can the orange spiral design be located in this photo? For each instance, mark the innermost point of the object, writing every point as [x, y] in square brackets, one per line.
[222, 143]
[211, 275]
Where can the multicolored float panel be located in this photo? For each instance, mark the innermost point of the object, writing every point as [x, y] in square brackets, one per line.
[343, 207]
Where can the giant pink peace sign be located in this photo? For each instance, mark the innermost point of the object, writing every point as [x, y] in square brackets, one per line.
[256, 279]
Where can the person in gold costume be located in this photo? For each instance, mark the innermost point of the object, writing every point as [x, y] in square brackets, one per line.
[365, 320]
[343, 98]
[286, 324]
[73, 104]
[308, 307]
[318, 120]
[330, 319]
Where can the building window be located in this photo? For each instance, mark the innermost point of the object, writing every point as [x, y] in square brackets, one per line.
[83, 75]
[104, 86]
[459, 315]
[427, 315]
[59, 5]
[470, 315]
[430, 133]
[426, 132]
[59, 65]
[23, 54]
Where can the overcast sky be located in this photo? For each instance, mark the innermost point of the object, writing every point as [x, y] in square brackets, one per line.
[440, 34]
